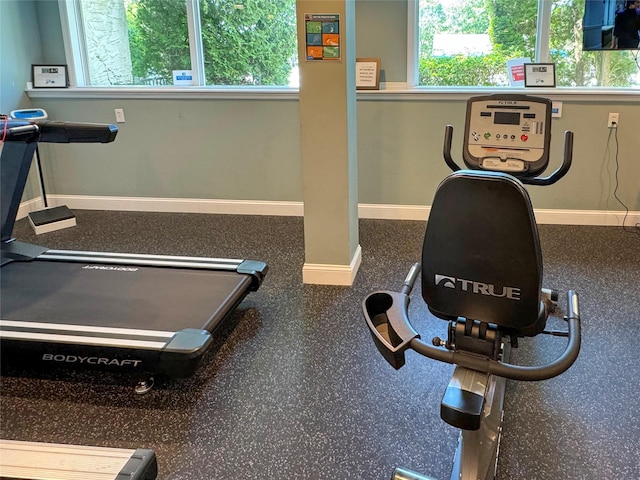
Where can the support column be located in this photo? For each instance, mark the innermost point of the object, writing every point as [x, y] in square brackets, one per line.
[328, 133]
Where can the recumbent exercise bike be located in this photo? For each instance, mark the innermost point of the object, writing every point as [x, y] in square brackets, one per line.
[482, 272]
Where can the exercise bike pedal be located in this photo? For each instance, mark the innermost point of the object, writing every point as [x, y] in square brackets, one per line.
[404, 474]
[464, 398]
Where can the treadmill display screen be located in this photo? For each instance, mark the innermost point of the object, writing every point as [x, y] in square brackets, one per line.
[506, 118]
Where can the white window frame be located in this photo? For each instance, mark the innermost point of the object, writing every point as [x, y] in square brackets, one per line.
[543, 27]
[75, 44]
[413, 40]
[73, 38]
[76, 55]
[78, 74]
[195, 41]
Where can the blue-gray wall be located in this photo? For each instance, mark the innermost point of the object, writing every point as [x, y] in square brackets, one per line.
[250, 149]
[21, 46]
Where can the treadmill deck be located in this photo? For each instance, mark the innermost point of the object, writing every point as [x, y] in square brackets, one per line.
[121, 312]
[127, 296]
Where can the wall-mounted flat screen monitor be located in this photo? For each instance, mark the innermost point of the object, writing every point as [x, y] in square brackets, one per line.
[611, 25]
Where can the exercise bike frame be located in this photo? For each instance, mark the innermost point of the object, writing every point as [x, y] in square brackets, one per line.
[477, 452]
[386, 314]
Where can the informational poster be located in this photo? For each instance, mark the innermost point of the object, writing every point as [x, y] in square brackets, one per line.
[515, 70]
[323, 36]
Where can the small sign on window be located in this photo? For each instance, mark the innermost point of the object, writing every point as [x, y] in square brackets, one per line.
[182, 78]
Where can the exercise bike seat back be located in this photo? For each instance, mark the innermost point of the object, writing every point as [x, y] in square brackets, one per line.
[481, 256]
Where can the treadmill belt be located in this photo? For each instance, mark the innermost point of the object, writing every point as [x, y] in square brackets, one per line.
[151, 298]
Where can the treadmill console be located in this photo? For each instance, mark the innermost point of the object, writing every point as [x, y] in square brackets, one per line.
[508, 133]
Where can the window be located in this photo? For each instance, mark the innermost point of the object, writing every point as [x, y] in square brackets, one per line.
[469, 43]
[167, 42]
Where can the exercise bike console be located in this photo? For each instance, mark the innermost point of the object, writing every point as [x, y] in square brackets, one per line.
[512, 134]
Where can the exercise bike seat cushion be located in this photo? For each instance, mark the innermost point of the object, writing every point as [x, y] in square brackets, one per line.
[481, 256]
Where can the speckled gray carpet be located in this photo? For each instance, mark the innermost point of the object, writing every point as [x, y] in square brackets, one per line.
[295, 389]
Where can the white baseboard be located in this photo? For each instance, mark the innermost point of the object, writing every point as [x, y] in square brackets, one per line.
[543, 216]
[324, 274]
[178, 205]
[393, 212]
[29, 206]
[281, 208]
[585, 217]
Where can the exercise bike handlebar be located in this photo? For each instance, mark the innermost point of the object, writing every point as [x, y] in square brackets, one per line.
[560, 172]
[508, 370]
[410, 279]
[393, 308]
[446, 149]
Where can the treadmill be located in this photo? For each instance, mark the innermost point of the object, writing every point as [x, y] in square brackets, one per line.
[143, 315]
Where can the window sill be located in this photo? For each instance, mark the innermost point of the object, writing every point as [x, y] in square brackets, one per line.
[222, 93]
[395, 91]
[592, 95]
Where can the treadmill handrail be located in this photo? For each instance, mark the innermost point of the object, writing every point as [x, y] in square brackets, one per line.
[47, 131]
[75, 132]
[21, 131]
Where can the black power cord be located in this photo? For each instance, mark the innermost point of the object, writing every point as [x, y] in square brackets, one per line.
[635, 229]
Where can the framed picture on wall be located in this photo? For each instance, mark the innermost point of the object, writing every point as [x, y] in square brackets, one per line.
[539, 75]
[49, 76]
[367, 73]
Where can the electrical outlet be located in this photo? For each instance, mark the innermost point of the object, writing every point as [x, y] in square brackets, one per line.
[120, 115]
[613, 120]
